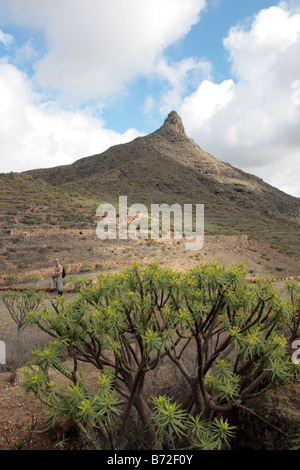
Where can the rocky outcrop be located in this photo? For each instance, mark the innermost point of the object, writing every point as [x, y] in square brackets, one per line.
[272, 421]
[174, 122]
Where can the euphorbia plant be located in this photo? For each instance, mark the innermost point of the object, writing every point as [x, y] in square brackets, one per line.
[237, 332]
[125, 324]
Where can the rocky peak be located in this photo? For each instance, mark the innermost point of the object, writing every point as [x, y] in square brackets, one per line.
[174, 122]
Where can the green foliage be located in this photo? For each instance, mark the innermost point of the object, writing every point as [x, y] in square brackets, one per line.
[126, 324]
[19, 304]
[293, 290]
[86, 268]
[211, 436]
[170, 419]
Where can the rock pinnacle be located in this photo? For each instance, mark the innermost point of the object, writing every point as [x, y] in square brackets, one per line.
[174, 123]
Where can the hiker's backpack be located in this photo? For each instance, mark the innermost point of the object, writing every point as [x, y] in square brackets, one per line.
[63, 273]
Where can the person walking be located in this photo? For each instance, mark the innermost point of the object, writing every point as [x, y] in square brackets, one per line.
[57, 277]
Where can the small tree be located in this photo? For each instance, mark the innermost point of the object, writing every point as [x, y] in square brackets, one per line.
[125, 324]
[238, 334]
[19, 304]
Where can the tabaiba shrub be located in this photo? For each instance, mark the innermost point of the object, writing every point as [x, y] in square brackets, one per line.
[128, 324]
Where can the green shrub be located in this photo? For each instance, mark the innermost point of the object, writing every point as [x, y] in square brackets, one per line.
[236, 334]
[86, 268]
[19, 304]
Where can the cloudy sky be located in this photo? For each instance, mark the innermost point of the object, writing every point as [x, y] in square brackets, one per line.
[77, 77]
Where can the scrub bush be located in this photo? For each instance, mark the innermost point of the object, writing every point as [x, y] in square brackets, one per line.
[127, 323]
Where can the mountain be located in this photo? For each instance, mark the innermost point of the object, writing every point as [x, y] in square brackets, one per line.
[165, 166]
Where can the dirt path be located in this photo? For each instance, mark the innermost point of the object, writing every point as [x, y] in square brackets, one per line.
[18, 413]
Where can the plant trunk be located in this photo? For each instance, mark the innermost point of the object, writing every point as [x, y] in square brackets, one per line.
[145, 415]
[137, 381]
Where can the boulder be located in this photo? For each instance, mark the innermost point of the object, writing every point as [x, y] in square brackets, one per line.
[279, 410]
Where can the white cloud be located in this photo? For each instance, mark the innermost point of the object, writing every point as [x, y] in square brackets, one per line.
[93, 51]
[96, 48]
[36, 134]
[206, 102]
[253, 122]
[179, 76]
[176, 77]
[25, 54]
[5, 38]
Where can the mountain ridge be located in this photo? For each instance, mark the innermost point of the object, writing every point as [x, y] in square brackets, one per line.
[181, 154]
[165, 166]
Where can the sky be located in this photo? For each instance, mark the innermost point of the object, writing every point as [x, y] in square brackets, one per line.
[77, 77]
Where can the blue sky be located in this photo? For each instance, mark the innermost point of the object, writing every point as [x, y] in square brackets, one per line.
[205, 40]
[77, 77]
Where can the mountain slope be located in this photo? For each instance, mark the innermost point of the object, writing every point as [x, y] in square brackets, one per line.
[165, 166]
